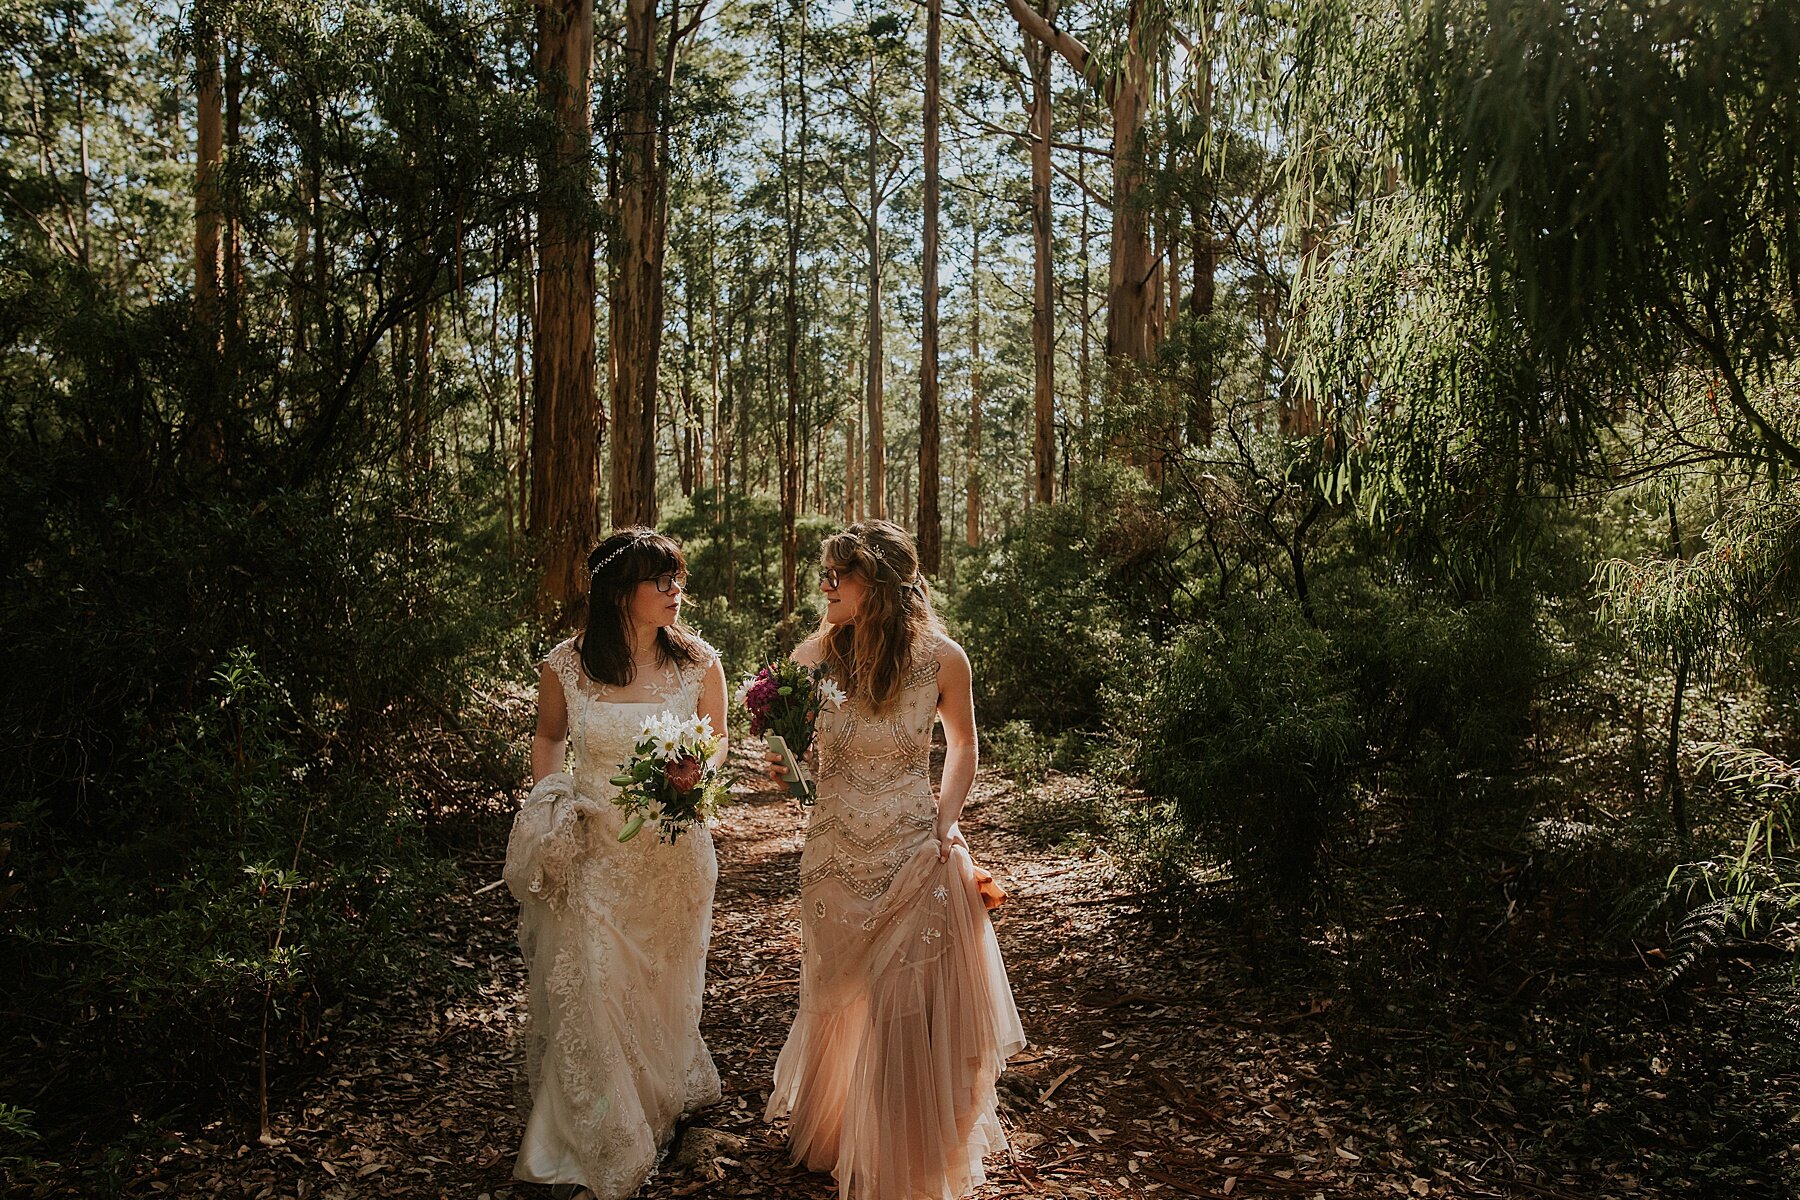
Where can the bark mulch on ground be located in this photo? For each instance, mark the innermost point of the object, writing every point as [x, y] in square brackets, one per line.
[1155, 1068]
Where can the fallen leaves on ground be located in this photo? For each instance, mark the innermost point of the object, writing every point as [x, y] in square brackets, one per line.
[1156, 1066]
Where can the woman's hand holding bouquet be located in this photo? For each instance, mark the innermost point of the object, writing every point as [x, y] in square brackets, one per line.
[784, 700]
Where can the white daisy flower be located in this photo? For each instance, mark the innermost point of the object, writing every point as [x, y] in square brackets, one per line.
[833, 694]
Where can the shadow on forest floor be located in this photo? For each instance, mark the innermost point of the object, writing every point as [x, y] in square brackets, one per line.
[1161, 1063]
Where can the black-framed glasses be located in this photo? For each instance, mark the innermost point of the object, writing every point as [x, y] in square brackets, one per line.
[670, 580]
[829, 578]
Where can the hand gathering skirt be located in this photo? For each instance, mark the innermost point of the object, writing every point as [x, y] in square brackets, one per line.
[906, 1019]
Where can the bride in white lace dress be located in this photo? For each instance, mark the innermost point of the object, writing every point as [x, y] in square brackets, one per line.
[614, 934]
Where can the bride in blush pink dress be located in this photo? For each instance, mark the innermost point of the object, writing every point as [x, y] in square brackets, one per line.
[906, 1017]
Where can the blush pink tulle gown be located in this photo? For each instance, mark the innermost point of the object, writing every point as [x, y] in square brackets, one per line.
[906, 1018]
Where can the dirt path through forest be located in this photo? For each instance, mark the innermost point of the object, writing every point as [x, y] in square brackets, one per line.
[1154, 1068]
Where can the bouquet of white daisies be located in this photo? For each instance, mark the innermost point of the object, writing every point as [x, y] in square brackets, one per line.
[670, 777]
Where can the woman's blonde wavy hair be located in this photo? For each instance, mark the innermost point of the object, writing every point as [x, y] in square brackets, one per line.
[871, 655]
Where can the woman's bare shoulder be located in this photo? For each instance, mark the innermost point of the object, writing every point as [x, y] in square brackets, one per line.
[950, 655]
[811, 652]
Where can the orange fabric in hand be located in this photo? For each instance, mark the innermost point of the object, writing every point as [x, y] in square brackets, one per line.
[992, 894]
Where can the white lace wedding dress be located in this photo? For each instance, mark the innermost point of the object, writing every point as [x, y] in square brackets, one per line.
[614, 937]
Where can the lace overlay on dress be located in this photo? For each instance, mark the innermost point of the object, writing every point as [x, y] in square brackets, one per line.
[614, 938]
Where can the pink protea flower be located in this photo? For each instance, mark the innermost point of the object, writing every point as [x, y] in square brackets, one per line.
[683, 773]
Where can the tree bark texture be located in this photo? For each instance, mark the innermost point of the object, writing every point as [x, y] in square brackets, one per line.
[209, 262]
[1132, 283]
[876, 458]
[793, 203]
[973, 514]
[930, 531]
[638, 247]
[1043, 344]
[566, 423]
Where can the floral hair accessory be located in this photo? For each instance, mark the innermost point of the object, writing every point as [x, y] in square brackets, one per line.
[871, 547]
[629, 543]
[875, 551]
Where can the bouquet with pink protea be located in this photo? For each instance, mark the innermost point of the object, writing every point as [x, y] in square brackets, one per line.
[670, 777]
[784, 700]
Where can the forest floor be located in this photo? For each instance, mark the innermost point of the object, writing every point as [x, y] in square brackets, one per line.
[1161, 1064]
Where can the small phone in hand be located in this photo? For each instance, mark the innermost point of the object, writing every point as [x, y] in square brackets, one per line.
[797, 782]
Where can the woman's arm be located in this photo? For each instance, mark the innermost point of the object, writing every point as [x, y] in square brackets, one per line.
[962, 749]
[712, 707]
[550, 741]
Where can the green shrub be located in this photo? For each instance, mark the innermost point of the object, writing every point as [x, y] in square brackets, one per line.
[273, 875]
[1251, 730]
[1054, 610]
[1445, 687]
[218, 712]
[733, 548]
[1019, 750]
[17, 1140]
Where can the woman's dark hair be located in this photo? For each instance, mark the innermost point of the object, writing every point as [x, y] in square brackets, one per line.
[615, 567]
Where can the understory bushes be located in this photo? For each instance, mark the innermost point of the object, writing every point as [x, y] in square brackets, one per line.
[228, 726]
[1248, 725]
[733, 548]
[1250, 728]
[1061, 606]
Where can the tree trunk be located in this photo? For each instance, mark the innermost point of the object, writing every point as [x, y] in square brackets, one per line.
[1201, 301]
[565, 421]
[1203, 295]
[852, 463]
[206, 440]
[791, 460]
[1043, 346]
[876, 456]
[1131, 305]
[1083, 369]
[418, 436]
[209, 264]
[232, 264]
[974, 467]
[1132, 283]
[85, 241]
[637, 249]
[930, 532]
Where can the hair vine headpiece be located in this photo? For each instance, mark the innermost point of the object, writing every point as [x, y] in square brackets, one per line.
[868, 545]
[915, 584]
[629, 543]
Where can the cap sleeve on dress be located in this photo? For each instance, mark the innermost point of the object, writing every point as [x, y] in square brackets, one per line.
[709, 654]
[563, 660]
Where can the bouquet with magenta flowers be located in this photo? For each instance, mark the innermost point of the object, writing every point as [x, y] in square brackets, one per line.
[784, 700]
[670, 776]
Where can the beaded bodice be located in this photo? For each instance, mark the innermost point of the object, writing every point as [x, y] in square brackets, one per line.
[874, 781]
